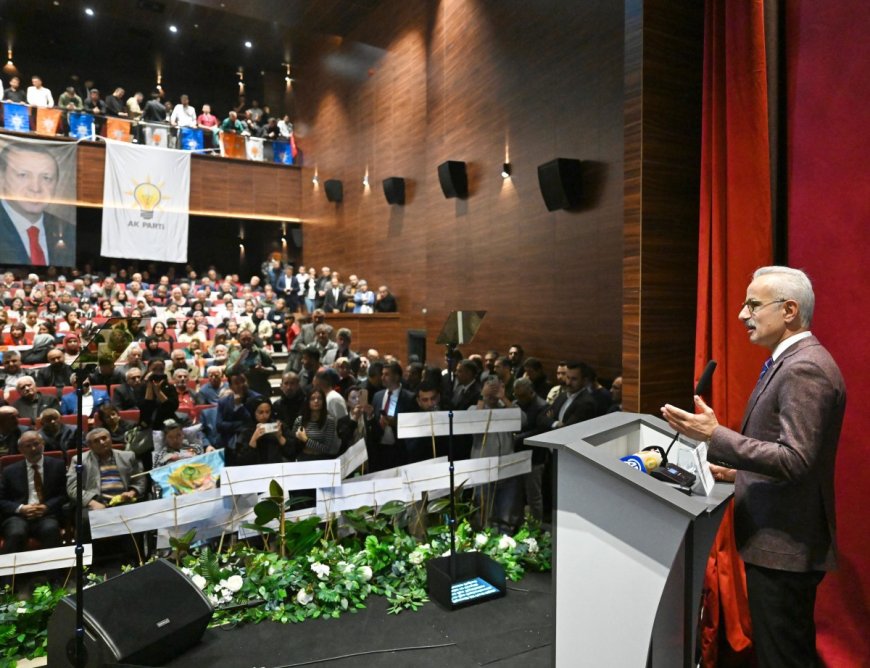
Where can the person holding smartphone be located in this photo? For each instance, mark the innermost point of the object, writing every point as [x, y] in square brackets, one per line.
[266, 441]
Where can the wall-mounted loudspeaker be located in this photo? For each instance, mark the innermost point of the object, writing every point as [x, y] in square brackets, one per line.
[334, 190]
[453, 178]
[144, 617]
[560, 182]
[394, 190]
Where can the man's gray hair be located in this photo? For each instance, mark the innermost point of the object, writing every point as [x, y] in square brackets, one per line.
[521, 383]
[494, 380]
[792, 284]
[93, 433]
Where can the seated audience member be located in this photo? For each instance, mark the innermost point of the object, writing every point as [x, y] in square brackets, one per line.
[109, 476]
[176, 446]
[71, 348]
[315, 430]
[420, 448]
[235, 412]
[505, 511]
[534, 371]
[385, 302]
[32, 495]
[600, 394]
[10, 430]
[190, 331]
[31, 403]
[156, 398]
[161, 333]
[186, 398]
[534, 421]
[214, 389]
[12, 371]
[291, 398]
[153, 351]
[110, 419]
[576, 403]
[55, 434]
[133, 358]
[219, 354]
[615, 395]
[92, 399]
[178, 360]
[363, 298]
[106, 373]
[342, 348]
[326, 380]
[559, 387]
[265, 441]
[124, 397]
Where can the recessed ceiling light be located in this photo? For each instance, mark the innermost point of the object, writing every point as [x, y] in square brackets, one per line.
[89, 11]
[248, 44]
[173, 29]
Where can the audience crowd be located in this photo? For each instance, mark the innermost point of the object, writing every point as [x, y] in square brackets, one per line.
[190, 373]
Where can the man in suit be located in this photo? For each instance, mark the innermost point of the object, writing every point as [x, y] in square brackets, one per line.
[29, 235]
[125, 397]
[57, 373]
[55, 434]
[31, 403]
[576, 403]
[92, 399]
[32, 494]
[106, 474]
[335, 299]
[386, 450]
[784, 460]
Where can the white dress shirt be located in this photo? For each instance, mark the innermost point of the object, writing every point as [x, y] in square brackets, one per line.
[39, 97]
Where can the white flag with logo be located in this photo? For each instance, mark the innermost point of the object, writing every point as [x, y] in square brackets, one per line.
[255, 148]
[146, 207]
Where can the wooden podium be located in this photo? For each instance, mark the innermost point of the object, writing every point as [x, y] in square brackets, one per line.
[629, 551]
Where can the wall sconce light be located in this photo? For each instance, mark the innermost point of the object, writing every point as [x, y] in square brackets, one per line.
[506, 170]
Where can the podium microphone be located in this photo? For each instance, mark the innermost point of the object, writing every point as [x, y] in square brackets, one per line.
[702, 388]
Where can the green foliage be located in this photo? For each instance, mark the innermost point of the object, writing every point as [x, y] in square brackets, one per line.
[24, 624]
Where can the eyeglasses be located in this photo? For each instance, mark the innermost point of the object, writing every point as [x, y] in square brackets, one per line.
[754, 306]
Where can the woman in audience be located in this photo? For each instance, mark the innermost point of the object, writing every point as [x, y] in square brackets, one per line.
[153, 351]
[266, 441]
[17, 308]
[70, 323]
[354, 426]
[190, 331]
[160, 333]
[315, 430]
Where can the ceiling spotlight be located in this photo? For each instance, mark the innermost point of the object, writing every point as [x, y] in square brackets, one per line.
[506, 170]
[248, 44]
[173, 29]
[89, 11]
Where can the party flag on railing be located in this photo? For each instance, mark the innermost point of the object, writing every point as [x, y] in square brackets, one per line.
[283, 153]
[118, 129]
[254, 148]
[81, 125]
[190, 139]
[156, 135]
[232, 145]
[16, 117]
[47, 120]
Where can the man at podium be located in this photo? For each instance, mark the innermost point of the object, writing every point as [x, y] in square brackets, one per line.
[784, 460]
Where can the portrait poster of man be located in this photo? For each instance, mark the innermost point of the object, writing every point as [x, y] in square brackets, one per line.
[37, 202]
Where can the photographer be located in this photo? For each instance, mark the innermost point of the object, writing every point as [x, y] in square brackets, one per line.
[156, 397]
[266, 441]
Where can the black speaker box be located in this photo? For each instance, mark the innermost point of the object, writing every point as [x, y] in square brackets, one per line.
[560, 182]
[334, 190]
[453, 178]
[146, 617]
[394, 190]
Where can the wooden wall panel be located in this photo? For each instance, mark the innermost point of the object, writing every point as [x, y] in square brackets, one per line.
[479, 82]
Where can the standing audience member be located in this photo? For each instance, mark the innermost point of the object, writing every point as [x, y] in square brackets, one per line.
[315, 430]
[266, 440]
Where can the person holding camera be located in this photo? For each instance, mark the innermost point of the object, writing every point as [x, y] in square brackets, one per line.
[157, 397]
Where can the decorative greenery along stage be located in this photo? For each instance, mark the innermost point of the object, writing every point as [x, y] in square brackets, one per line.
[310, 573]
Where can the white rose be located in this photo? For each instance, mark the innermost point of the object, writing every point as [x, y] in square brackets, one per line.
[322, 570]
[480, 540]
[271, 570]
[234, 583]
[416, 558]
[21, 611]
[186, 571]
[303, 597]
[506, 543]
[199, 581]
[366, 573]
[344, 567]
[213, 599]
[533, 545]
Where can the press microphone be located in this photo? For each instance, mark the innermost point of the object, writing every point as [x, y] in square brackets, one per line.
[671, 472]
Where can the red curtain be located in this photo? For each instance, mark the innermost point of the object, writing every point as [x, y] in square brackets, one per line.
[734, 239]
[829, 219]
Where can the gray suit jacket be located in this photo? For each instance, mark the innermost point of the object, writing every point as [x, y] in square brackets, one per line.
[784, 492]
[127, 464]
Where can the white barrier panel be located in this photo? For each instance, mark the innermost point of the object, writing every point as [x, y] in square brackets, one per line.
[352, 495]
[468, 472]
[412, 425]
[169, 512]
[48, 559]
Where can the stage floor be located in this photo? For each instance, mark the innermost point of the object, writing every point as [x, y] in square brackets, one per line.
[516, 630]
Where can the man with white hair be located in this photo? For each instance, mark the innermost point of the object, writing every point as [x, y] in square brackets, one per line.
[782, 461]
